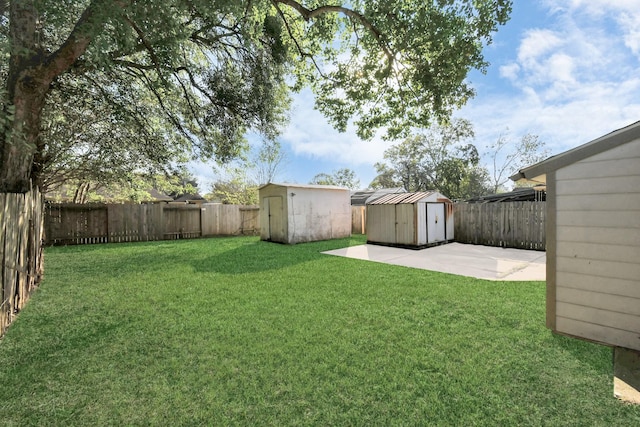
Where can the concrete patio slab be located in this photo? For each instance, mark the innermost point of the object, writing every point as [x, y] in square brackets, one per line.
[482, 262]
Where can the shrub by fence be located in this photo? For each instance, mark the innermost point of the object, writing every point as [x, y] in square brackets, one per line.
[510, 224]
[21, 225]
[101, 223]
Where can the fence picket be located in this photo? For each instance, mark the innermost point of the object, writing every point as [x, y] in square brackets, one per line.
[20, 250]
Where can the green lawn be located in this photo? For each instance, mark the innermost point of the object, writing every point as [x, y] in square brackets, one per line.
[234, 331]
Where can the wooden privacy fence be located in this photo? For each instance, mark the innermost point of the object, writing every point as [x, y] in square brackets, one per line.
[21, 225]
[72, 224]
[358, 220]
[509, 224]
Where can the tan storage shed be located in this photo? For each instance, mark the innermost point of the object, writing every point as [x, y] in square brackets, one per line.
[295, 213]
[593, 238]
[412, 220]
[593, 247]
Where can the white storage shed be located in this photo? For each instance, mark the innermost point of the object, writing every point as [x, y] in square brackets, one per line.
[295, 213]
[410, 220]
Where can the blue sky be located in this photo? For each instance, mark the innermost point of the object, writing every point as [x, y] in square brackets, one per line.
[566, 70]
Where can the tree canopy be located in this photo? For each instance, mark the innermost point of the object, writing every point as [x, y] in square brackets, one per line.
[439, 158]
[198, 74]
[344, 177]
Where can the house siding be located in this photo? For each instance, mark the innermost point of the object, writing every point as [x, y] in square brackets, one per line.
[597, 247]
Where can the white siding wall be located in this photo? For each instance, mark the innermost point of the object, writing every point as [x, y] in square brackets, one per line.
[598, 247]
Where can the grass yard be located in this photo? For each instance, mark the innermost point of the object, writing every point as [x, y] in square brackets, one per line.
[234, 331]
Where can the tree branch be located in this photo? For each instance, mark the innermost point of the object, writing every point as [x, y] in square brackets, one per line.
[310, 14]
[76, 44]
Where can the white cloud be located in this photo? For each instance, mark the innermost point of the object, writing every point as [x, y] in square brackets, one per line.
[311, 136]
[510, 71]
[631, 25]
[624, 13]
[537, 43]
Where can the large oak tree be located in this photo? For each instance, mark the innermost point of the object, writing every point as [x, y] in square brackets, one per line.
[209, 70]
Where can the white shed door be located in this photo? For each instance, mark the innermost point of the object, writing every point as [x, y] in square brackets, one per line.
[436, 222]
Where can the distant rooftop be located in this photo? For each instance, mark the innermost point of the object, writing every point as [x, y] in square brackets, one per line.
[524, 194]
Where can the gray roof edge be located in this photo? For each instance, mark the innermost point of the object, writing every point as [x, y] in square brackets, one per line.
[308, 186]
[597, 146]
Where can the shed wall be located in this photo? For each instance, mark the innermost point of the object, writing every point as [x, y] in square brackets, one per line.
[381, 221]
[406, 224]
[597, 248]
[318, 214]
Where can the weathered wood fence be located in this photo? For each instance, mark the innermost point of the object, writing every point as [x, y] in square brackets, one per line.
[509, 225]
[358, 220]
[73, 224]
[21, 225]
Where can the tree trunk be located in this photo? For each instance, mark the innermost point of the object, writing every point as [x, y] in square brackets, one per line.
[20, 137]
[31, 71]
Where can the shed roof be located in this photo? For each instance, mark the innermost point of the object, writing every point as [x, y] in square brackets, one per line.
[538, 172]
[363, 197]
[308, 186]
[396, 199]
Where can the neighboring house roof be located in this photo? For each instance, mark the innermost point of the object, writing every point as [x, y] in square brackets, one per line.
[525, 194]
[538, 172]
[364, 197]
[308, 186]
[189, 198]
[396, 199]
[159, 196]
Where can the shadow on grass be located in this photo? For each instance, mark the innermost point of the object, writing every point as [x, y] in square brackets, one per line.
[260, 256]
[585, 352]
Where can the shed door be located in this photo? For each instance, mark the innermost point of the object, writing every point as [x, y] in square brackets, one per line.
[276, 220]
[405, 230]
[436, 222]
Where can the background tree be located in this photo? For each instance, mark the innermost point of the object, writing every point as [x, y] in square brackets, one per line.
[385, 177]
[216, 68]
[344, 177]
[128, 187]
[441, 158]
[234, 187]
[238, 182]
[506, 157]
[267, 162]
